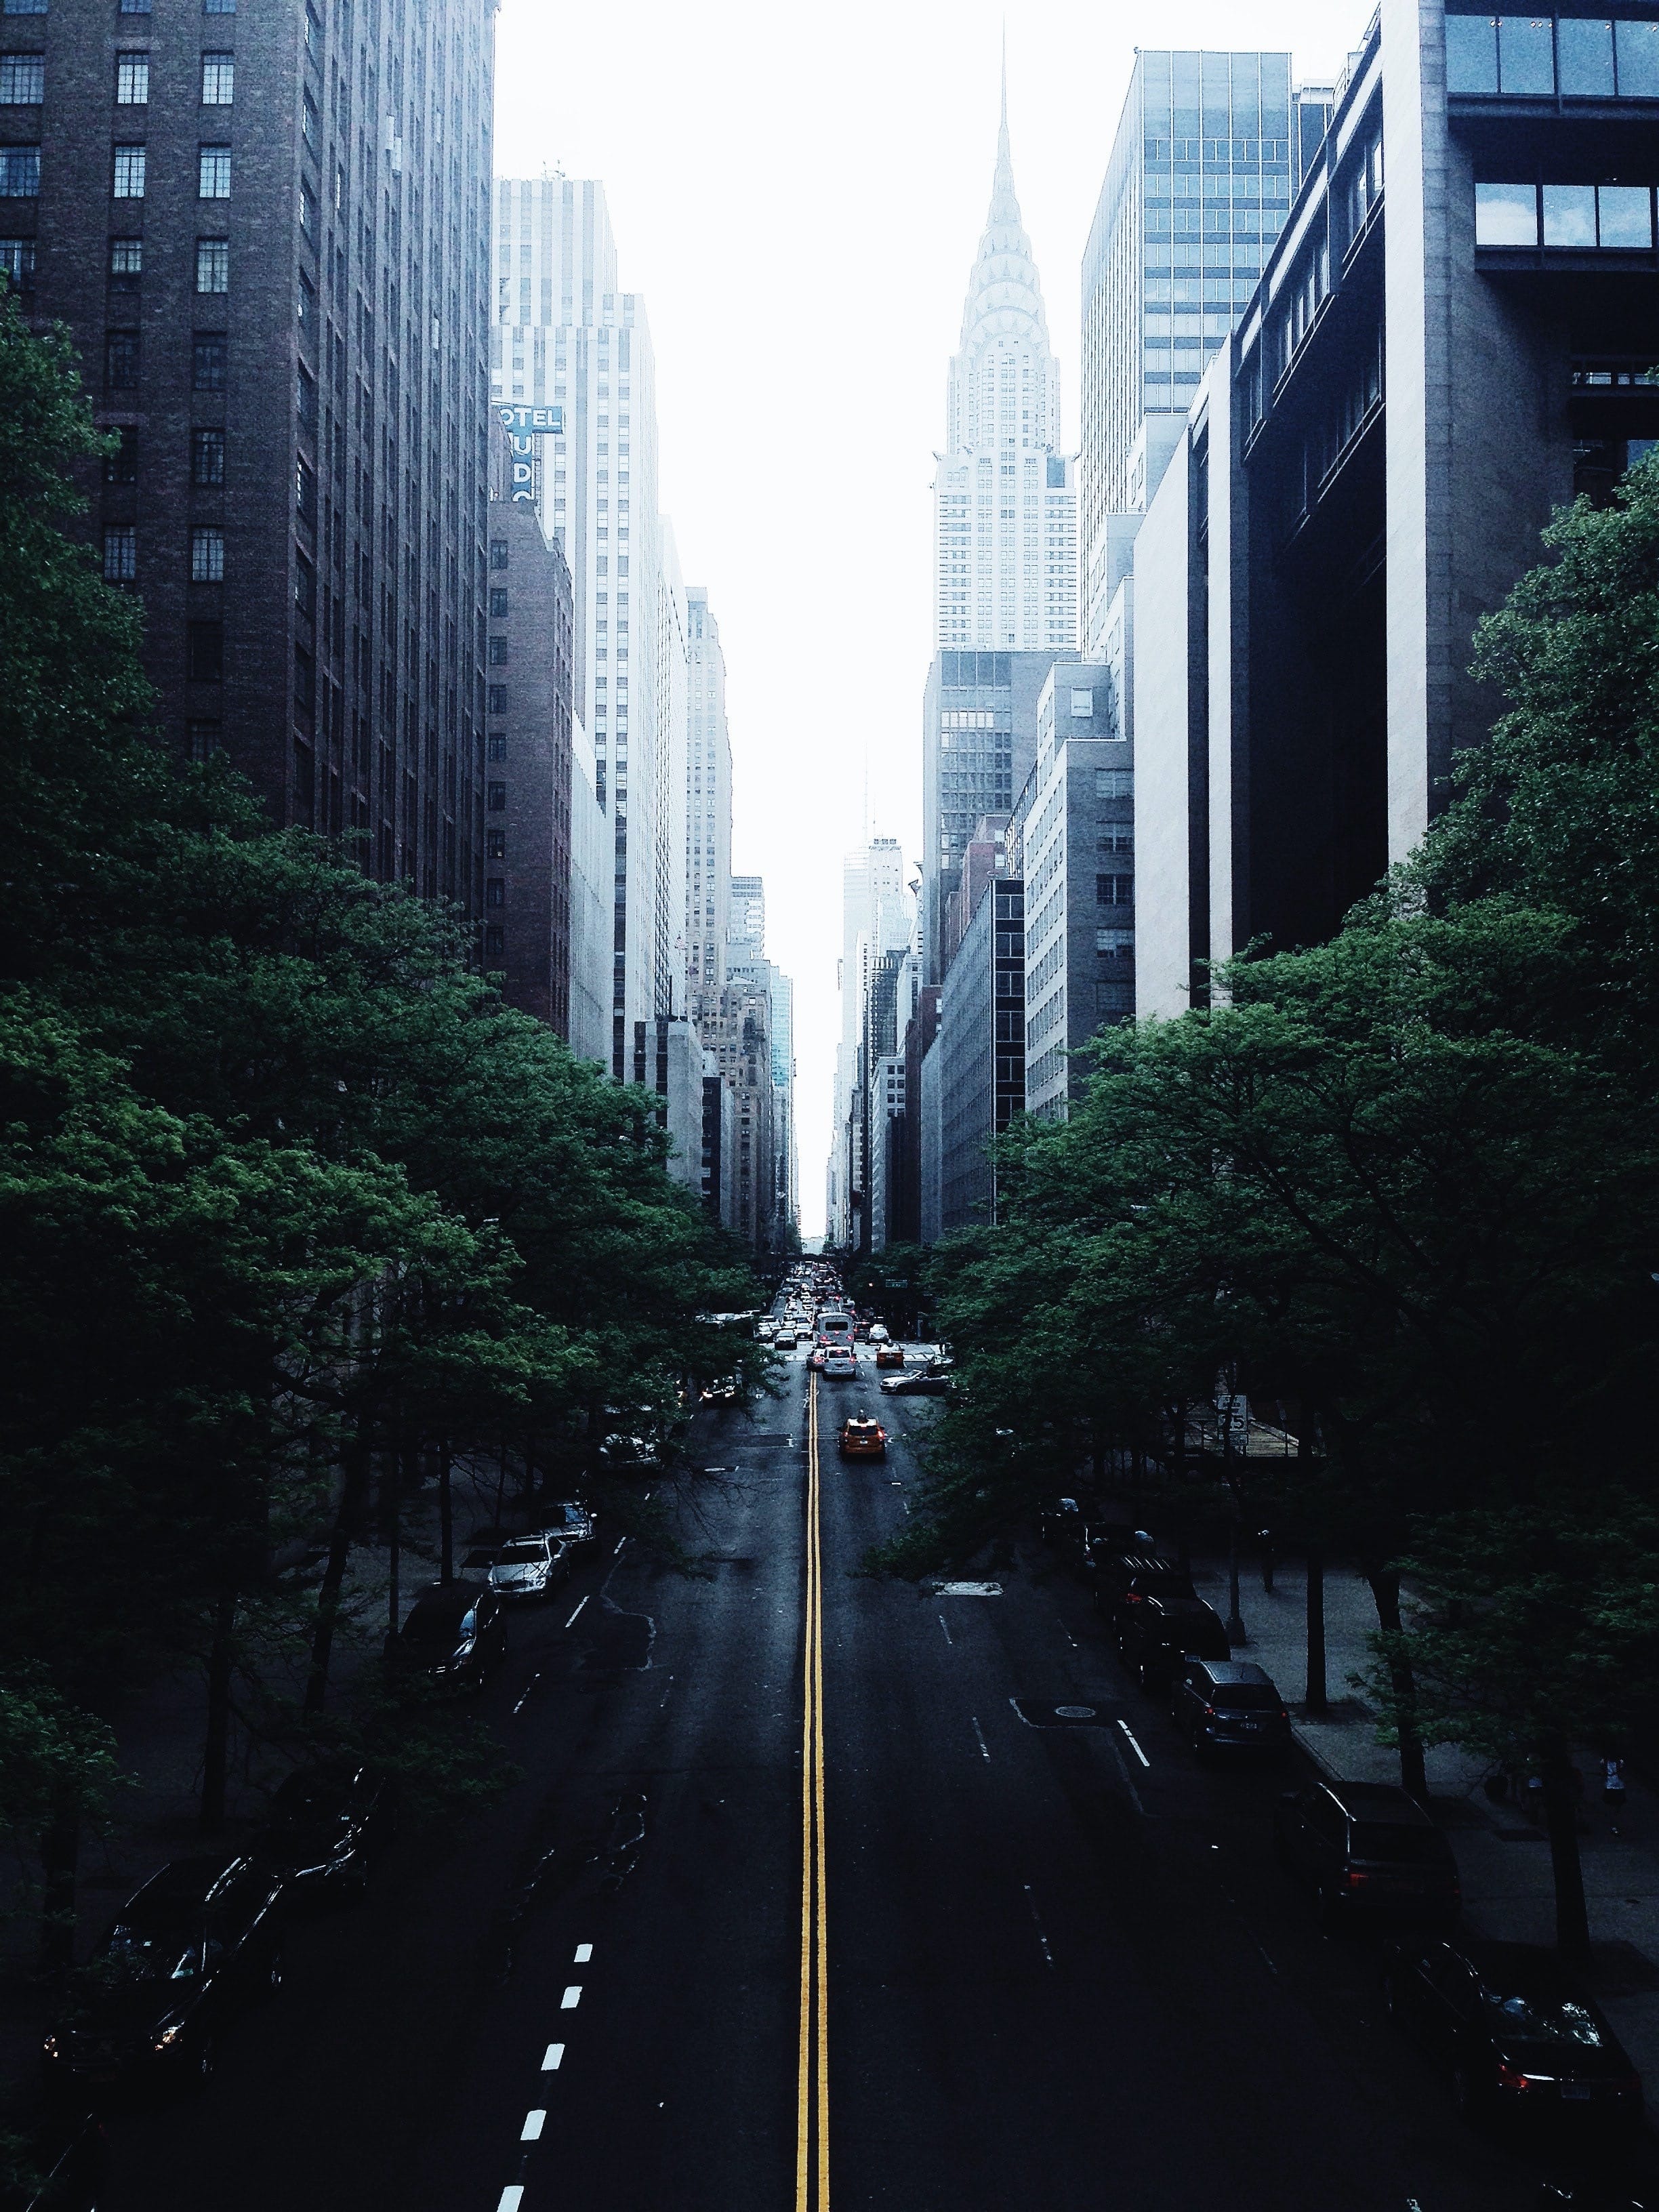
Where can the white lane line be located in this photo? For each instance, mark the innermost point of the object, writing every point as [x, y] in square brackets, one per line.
[1038, 1920]
[1133, 1746]
[621, 1540]
[572, 1997]
[584, 1952]
[533, 2123]
[571, 1623]
[552, 2058]
[1128, 1779]
[529, 1687]
[983, 1747]
[948, 1636]
[511, 2198]
[1266, 1961]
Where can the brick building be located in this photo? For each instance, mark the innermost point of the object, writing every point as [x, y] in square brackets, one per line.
[267, 234]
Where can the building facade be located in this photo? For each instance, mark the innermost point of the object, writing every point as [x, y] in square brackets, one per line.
[980, 1053]
[1005, 504]
[1077, 844]
[707, 803]
[1424, 374]
[265, 233]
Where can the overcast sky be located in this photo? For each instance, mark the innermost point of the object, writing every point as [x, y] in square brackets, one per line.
[798, 191]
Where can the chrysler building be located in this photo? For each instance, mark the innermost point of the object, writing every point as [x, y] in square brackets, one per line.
[1005, 500]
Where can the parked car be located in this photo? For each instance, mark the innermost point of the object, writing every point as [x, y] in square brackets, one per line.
[200, 1941]
[1368, 1851]
[841, 1363]
[863, 1437]
[1517, 2037]
[723, 1390]
[1127, 1578]
[567, 1519]
[889, 1354]
[327, 1829]
[1154, 1636]
[922, 1384]
[1231, 1706]
[455, 1632]
[630, 1454]
[529, 1567]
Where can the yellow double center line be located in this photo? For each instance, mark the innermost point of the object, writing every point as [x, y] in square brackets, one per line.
[812, 2113]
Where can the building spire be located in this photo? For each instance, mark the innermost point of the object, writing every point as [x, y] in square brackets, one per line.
[1005, 203]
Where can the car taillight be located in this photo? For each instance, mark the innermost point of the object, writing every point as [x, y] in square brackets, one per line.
[1512, 2077]
[1132, 1597]
[1354, 1877]
[1209, 1712]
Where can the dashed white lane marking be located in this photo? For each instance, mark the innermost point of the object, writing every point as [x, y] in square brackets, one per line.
[621, 1540]
[533, 2123]
[948, 1636]
[511, 2198]
[1133, 1746]
[553, 2058]
[1037, 1918]
[1128, 1779]
[572, 1997]
[571, 1623]
[584, 1952]
[530, 1686]
[984, 1748]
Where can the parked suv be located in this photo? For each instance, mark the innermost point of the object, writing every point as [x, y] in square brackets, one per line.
[1228, 1705]
[1124, 1579]
[1368, 1851]
[1157, 1633]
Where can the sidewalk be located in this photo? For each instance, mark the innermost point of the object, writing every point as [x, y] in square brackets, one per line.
[1504, 1860]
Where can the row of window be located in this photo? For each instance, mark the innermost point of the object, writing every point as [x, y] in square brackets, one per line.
[123, 7]
[207, 554]
[124, 352]
[1613, 217]
[1535, 57]
[23, 80]
[20, 173]
[207, 459]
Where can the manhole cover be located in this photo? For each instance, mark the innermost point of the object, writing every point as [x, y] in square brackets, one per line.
[967, 1589]
[1037, 1714]
[1074, 1712]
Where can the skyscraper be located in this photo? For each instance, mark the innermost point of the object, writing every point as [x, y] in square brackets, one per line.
[1208, 152]
[1004, 505]
[265, 233]
[566, 335]
[708, 804]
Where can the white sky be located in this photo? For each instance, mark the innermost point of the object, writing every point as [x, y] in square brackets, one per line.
[798, 192]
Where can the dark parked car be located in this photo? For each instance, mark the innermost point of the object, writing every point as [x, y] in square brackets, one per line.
[1369, 1851]
[1124, 1579]
[1228, 1705]
[327, 1829]
[529, 1567]
[1156, 1634]
[568, 1520]
[196, 1944]
[455, 1632]
[1517, 2037]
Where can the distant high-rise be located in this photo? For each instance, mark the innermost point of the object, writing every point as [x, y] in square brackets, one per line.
[1208, 151]
[707, 806]
[1004, 505]
[566, 336]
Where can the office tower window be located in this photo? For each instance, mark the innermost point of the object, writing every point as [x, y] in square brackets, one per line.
[496, 798]
[126, 264]
[496, 891]
[207, 556]
[495, 942]
[22, 80]
[23, 8]
[495, 747]
[221, 8]
[121, 467]
[213, 173]
[202, 739]
[218, 80]
[122, 360]
[132, 80]
[134, 7]
[213, 264]
[129, 173]
[495, 844]
[207, 457]
[20, 173]
[209, 350]
[498, 553]
[120, 554]
[17, 264]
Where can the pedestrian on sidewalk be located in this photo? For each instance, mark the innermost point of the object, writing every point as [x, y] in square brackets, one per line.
[1613, 1790]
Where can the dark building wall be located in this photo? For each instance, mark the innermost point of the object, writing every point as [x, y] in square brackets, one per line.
[904, 1217]
[339, 662]
[528, 765]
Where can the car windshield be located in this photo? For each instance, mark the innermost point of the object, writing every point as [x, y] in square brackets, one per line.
[438, 1626]
[1244, 1698]
[1406, 1846]
[162, 1951]
[1542, 2016]
[1173, 1584]
[528, 1548]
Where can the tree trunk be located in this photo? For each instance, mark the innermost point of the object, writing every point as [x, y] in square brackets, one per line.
[446, 1515]
[1561, 1815]
[354, 1487]
[1316, 1698]
[215, 1750]
[1413, 1775]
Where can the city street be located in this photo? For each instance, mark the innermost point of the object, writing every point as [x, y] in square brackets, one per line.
[1063, 1968]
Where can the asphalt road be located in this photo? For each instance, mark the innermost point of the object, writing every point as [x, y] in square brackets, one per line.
[1060, 1966]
